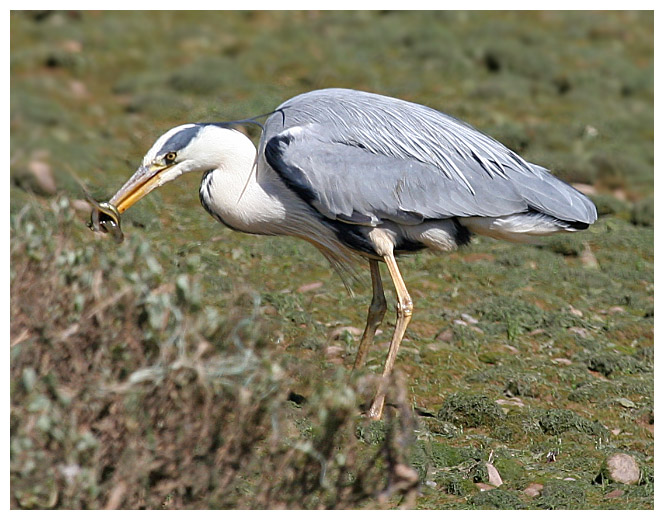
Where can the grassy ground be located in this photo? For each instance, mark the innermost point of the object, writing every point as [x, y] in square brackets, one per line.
[193, 367]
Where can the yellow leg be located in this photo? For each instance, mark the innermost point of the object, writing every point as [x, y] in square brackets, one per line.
[404, 313]
[375, 317]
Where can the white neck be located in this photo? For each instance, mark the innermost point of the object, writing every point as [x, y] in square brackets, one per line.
[245, 194]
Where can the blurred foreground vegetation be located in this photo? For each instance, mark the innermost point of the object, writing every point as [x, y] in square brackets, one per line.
[194, 367]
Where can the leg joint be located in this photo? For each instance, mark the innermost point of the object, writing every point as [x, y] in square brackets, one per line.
[405, 307]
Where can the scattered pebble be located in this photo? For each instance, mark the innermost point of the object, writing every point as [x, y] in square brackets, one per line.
[586, 189]
[43, 175]
[78, 89]
[588, 258]
[562, 361]
[469, 319]
[510, 401]
[447, 336]
[334, 350]
[309, 287]
[626, 403]
[73, 46]
[620, 194]
[622, 468]
[616, 493]
[512, 349]
[484, 487]
[579, 331]
[269, 310]
[81, 205]
[533, 490]
[339, 332]
[494, 476]
[575, 312]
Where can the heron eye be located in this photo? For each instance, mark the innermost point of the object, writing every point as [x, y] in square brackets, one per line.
[170, 157]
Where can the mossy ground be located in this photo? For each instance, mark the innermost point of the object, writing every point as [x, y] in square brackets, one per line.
[192, 367]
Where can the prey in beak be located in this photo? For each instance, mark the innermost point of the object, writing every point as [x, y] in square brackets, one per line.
[105, 217]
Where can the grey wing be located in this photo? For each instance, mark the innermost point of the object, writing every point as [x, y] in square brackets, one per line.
[346, 182]
[354, 160]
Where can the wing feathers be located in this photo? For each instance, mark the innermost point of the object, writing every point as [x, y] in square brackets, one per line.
[364, 158]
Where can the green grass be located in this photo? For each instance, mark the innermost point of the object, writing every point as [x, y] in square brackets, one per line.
[184, 369]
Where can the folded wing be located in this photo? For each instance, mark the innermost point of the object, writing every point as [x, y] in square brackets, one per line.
[364, 158]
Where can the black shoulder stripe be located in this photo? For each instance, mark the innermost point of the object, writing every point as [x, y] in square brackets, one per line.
[275, 150]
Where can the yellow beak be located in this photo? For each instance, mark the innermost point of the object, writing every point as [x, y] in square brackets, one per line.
[138, 186]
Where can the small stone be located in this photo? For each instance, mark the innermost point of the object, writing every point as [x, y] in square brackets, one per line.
[269, 310]
[587, 189]
[494, 476]
[335, 354]
[81, 205]
[510, 401]
[73, 46]
[579, 331]
[334, 351]
[620, 194]
[309, 287]
[622, 468]
[43, 175]
[78, 89]
[562, 361]
[533, 490]
[625, 403]
[484, 487]
[615, 493]
[469, 319]
[575, 312]
[340, 331]
[446, 336]
[588, 258]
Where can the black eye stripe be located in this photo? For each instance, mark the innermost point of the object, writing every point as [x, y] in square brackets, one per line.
[181, 139]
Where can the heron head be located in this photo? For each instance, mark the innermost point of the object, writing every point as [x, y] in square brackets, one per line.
[186, 148]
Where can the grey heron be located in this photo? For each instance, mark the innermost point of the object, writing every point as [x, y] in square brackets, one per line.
[361, 174]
